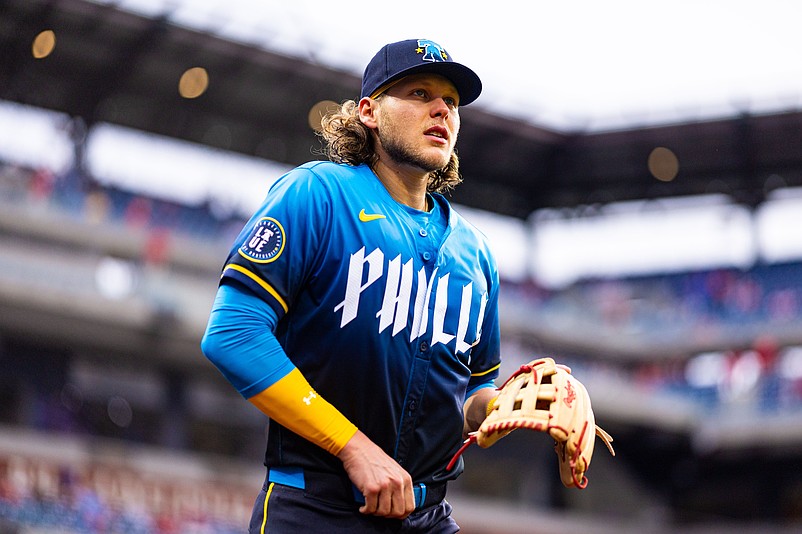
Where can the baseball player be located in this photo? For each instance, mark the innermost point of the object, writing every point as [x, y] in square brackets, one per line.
[359, 311]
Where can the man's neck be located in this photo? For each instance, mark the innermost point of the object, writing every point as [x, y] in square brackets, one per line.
[405, 185]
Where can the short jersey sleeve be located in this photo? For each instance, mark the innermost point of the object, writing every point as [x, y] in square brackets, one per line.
[280, 244]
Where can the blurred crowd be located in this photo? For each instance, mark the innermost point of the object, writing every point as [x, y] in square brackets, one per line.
[722, 338]
[76, 194]
[73, 506]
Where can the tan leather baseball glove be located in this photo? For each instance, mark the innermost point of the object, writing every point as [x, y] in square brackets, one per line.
[545, 396]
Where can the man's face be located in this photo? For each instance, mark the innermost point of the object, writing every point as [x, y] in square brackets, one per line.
[418, 121]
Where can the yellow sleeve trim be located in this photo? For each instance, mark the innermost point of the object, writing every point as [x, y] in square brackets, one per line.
[267, 287]
[486, 372]
[293, 404]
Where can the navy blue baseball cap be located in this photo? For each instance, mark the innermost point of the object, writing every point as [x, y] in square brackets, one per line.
[415, 56]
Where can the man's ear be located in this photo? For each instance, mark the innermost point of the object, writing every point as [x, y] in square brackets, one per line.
[368, 108]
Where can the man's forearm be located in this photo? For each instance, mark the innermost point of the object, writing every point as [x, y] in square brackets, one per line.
[475, 409]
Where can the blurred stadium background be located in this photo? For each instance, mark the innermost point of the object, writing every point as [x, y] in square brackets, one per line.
[661, 259]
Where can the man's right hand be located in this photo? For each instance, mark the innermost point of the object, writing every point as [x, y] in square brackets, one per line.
[386, 486]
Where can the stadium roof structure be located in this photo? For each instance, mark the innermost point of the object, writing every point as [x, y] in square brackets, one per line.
[115, 65]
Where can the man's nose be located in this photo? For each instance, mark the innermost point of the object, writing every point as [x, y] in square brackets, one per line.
[440, 108]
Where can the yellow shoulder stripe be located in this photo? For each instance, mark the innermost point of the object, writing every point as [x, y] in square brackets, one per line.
[486, 372]
[264, 285]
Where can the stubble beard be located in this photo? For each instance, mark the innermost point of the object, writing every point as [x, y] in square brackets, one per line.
[403, 154]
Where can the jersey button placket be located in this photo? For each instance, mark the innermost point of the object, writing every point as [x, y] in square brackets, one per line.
[426, 255]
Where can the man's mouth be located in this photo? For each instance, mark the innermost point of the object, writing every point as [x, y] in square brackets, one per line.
[437, 131]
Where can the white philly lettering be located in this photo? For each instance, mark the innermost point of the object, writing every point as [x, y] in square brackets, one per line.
[464, 314]
[440, 308]
[354, 286]
[397, 299]
[395, 305]
[480, 320]
[420, 322]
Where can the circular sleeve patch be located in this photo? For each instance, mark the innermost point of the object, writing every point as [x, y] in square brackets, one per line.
[266, 241]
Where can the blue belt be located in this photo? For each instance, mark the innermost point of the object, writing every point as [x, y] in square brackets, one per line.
[339, 489]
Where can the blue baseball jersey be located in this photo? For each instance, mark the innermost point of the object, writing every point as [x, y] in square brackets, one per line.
[391, 313]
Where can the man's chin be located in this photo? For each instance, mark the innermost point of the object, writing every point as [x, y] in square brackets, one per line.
[430, 161]
[436, 163]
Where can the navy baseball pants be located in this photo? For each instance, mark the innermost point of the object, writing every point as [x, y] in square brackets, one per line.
[283, 509]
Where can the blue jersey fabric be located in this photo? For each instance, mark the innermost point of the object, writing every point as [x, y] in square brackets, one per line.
[390, 313]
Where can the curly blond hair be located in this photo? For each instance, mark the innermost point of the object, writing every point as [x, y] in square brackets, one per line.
[349, 141]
